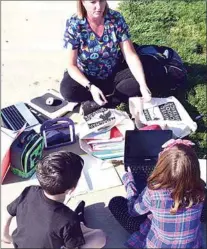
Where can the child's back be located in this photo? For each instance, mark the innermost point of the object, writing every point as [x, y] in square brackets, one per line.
[44, 223]
[173, 202]
[164, 230]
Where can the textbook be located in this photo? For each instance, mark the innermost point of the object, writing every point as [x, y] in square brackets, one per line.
[100, 135]
[108, 146]
[104, 136]
[107, 154]
[100, 141]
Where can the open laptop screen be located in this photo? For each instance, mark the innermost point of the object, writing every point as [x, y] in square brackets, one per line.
[145, 144]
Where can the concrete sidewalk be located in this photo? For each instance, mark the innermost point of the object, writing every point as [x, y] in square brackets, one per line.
[32, 62]
[33, 58]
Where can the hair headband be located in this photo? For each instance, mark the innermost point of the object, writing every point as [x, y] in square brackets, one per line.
[172, 142]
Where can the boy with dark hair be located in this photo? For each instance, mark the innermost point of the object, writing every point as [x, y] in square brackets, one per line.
[43, 221]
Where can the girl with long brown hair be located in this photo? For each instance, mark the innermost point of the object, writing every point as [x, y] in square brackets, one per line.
[173, 200]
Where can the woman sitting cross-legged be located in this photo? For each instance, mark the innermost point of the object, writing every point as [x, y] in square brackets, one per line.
[97, 39]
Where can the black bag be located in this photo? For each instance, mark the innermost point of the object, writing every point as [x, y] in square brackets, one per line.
[162, 66]
[26, 150]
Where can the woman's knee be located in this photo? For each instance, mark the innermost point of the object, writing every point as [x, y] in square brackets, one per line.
[72, 91]
[66, 88]
[128, 87]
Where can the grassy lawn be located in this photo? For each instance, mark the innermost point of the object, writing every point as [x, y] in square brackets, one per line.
[180, 25]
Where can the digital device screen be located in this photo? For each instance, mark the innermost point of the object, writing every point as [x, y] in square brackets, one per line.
[145, 144]
[57, 136]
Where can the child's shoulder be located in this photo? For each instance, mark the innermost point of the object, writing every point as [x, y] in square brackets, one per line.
[28, 194]
[159, 193]
[31, 190]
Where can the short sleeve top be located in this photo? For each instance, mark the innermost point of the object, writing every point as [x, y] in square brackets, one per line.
[97, 56]
[44, 223]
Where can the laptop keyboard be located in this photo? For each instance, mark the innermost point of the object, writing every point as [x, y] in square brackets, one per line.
[146, 169]
[13, 118]
[140, 174]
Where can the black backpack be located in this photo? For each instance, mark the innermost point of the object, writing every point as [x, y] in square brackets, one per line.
[163, 65]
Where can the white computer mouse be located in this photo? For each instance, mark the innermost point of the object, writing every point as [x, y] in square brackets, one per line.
[49, 101]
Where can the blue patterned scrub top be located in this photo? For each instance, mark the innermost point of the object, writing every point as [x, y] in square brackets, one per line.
[97, 56]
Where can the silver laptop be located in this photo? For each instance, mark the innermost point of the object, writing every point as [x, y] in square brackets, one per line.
[15, 116]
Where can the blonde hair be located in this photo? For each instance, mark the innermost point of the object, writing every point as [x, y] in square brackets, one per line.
[81, 11]
[178, 169]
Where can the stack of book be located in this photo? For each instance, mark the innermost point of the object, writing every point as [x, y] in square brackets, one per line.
[106, 144]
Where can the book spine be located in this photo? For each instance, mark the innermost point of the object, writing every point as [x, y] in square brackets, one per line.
[118, 139]
[107, 152]
[108, 147]
[110, 156]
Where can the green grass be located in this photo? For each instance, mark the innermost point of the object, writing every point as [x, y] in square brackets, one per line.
[180, 25]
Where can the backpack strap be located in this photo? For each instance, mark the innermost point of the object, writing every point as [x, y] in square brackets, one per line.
[26, 136]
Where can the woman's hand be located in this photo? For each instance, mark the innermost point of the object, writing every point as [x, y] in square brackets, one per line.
[146, 94]
[98, 95]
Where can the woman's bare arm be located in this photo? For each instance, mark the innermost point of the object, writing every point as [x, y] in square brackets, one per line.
[135, 66]
[72, 68]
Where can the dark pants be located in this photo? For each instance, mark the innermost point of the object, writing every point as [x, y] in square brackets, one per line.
[119, 209]
[122, 83]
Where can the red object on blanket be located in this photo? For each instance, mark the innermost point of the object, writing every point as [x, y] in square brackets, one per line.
[5, 165]
[115, 132]
[151, 127]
